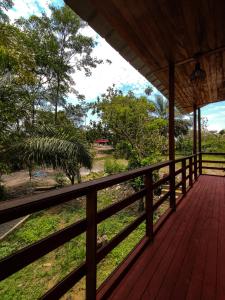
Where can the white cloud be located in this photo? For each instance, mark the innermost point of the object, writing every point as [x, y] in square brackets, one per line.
[25, 8]
[119, 72]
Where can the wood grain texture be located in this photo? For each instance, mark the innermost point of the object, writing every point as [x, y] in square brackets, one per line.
[186, 260]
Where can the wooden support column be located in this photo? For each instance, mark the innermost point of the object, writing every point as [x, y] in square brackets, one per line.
[91, 244]
[200, 141]
[195, 141]
[171, 134]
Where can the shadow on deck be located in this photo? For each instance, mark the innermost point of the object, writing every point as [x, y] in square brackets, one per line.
[186, 259]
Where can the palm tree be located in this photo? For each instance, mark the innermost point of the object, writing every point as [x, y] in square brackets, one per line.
[59, 148]
[161, 106]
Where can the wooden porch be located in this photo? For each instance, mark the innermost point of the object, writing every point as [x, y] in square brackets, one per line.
[186, 260]
[182, 256]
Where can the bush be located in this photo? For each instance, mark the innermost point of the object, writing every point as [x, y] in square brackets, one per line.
[60, 179]
[112, 166]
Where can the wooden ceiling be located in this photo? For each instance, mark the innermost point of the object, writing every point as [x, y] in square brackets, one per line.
[149, 33]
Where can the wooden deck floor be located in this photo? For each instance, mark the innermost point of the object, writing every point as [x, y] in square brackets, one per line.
[187, 258]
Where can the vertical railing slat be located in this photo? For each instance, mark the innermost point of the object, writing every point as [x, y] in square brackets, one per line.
[190, 172]
[91, 244]
[148, 179]
[184, 176]
[195, 167]
[172, 186]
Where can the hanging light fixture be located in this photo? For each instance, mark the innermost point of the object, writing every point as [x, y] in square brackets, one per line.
[198, 75]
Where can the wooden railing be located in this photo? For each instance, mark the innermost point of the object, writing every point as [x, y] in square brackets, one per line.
[212, 164]
[185, 173]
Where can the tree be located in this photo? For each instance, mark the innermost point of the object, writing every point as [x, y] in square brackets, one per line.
[5, 5]
[63, 49]
[59, 148]
[161, 107]
[16, 64]
[129, 118]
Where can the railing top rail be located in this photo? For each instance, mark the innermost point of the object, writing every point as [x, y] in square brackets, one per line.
[18, 207]
[185, 157]
[213, 153]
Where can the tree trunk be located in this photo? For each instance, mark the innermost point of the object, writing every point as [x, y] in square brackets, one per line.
[33, 112]
[72, 179]
[78, 176]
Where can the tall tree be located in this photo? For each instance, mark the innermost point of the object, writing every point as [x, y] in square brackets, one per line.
[62, 49]
[16, 65]
[130, 119]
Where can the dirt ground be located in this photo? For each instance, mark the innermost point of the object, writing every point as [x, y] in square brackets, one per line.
[17, 182]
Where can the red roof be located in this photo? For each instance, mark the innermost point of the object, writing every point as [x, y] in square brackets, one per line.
[102, 141]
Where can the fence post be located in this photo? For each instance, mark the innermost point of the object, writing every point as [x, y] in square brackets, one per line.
[172, 186]
[190, 172]
[184, 176]
[195, 167]
[91, 244]
[148, 180]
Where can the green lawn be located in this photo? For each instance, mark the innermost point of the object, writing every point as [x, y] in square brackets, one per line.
[35, 279]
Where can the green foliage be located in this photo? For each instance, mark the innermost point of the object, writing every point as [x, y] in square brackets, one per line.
[222, 131]
[5, 5]
[64, 259]
[213, 142]
[123, 150]
[129, 119]
[184, 144]
[112, 166]
[60, 148]
[60, 179]
[134, 162]
[59, 50]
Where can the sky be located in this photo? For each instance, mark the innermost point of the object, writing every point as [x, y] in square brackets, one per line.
[119, 72]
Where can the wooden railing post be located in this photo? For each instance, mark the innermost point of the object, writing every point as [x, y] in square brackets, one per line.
[172, 186]
[199, 141]
[149, 205]
[200, 163]
[195, 167]
[91, 244]
[190, 172]
[184, 176]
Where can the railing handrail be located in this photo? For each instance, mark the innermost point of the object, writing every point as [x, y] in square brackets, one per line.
[213, 153]
[12, 209]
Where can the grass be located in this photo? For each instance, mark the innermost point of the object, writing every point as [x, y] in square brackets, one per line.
[35, 279]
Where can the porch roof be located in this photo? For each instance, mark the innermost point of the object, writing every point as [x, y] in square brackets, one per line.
[149, 33]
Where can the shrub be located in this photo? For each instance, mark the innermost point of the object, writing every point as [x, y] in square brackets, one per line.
[60, 179]
[112, 166]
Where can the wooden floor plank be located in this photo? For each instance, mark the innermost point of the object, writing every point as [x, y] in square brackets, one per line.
[158, 264]
[192, 269]
[186, 259]
[220, 289]
[209, 281]
[139, 269]
[166, 276]
[180, 269]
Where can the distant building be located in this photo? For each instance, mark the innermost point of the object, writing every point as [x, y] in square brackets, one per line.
[102, 141]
